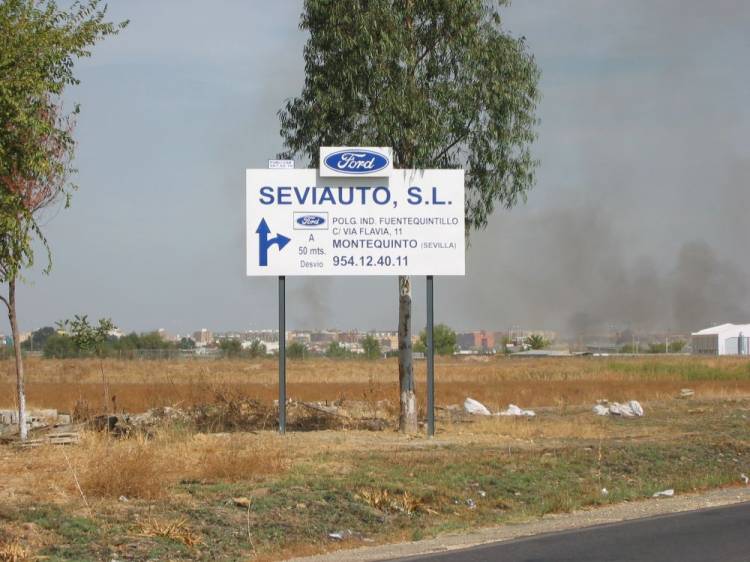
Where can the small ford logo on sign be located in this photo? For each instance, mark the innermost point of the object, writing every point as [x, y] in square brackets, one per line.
[311, 220]
[356, 161]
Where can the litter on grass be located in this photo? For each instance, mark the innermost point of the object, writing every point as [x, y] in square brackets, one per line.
[632, 409]
[668, 493]
[514, 410]
[475, 408]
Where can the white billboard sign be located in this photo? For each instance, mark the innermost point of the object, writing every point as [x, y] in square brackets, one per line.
[410, 222]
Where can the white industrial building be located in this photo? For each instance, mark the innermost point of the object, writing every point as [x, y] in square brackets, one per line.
[725, 339]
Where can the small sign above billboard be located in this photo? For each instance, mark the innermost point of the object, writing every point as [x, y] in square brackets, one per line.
[359, 162]
[281, 164]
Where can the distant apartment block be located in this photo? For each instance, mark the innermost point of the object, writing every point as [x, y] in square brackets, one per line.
[265, 336]
[478, 340]
[203, 337]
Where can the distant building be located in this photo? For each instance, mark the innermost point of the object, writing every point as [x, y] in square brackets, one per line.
[266, 336]
[322, 337]
[350, 337]
[478, 340]
[725, 339]
[299, 337]
[203, 338]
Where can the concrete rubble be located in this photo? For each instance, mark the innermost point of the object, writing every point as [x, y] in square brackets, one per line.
[46, 426]
[34, 418]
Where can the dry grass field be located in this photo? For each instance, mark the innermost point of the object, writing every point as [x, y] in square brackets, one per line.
[179, 493]
[496, 381]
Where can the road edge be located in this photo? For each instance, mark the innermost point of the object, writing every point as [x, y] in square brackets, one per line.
[626, 511]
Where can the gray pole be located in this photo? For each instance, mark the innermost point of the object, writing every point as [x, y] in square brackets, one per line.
[282, 354]
[430, 360]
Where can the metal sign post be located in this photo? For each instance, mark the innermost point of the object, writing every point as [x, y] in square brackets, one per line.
[279, 240]
[430, 360]
[282, 354]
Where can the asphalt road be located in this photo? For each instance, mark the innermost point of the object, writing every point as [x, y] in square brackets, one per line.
[709, 535]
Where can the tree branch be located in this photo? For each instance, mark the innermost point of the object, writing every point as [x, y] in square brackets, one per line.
[458, 139]
[5, 302]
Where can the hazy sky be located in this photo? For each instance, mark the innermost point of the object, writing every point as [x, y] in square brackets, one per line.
[638, 218]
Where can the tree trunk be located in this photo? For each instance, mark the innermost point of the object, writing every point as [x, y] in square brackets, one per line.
[22, 429]
[407, 421]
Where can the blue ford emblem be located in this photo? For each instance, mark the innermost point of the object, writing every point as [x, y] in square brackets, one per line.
[356, 161]
[310, 220]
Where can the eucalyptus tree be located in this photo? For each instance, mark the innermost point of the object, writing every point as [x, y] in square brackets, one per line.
[442, 83]
[39, 44]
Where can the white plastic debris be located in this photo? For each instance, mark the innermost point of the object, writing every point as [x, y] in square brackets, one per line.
[476, 408]
[636, 408]
[514, 410]
[605, 492]
[340, 535]
[745, 479]
[664, 493]
[630, 410]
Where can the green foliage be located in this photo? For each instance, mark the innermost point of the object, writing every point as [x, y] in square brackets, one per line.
[38, 338]
[154, 340]
[186, 343]
[87, 338]
[296, 350]
[370, 346]
[60, 346]
[134, 341]
[257, 349]
[677, 346]
[441, 82]
[674, 347]
[231, 347]
[337, 351]
[537, 341]
[40, 44]
[444, 340]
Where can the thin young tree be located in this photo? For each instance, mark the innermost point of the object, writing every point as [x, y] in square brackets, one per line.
[442, 83]
[39, 44]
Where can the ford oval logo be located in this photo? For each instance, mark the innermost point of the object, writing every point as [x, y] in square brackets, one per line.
[311, 220]
[356, 161]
